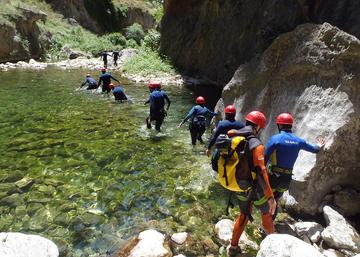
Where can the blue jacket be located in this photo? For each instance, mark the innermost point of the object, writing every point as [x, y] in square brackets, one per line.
[223, 127]
[283, 149]
[106, 79]
[157, 101]
[90, 81]
[118, 89]
[199, 110]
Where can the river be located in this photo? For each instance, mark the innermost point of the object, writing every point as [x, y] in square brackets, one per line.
[91, 174]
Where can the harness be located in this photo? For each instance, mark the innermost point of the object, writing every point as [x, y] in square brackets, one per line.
[280, 171]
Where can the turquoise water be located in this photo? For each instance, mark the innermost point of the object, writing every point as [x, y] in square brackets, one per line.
[91, 174]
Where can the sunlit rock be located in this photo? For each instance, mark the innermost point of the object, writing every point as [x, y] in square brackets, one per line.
[311, 229]
[151, 243]
[280, 245]
[20, 245]
[179, 238]
[339, 234]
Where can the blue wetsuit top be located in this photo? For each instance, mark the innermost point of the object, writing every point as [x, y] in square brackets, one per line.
[283, 149]
[157, 101]
[223, 127]
[90, 81]
[106, 79]
[118, 89]
[199, 110]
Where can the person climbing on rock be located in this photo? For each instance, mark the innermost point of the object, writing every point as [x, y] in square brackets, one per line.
[197, 125]
[118, 92]
[224, 126]
[115, 55]
[251, 180]
[90, 82]
[105, 79]
[282, 151]
[157, 105]
[104, 56]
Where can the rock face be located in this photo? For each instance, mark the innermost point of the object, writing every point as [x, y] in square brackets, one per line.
[280, 245]
[20, 36]
[101, 16]
[213, 38]
[20, 245]
[312, 72]
[339, 234]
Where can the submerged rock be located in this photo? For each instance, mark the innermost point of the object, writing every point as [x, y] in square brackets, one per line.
[339, 233]
[21, 245]
[279, 245]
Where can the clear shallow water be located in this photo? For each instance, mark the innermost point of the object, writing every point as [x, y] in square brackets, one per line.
[94, 175]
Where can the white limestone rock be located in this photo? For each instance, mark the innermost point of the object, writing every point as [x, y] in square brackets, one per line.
[332, 253]
[151, 244]
[339, 234]
[224, 230]
[21, 245]
[281, 245]
[179, 238]
[311, 229]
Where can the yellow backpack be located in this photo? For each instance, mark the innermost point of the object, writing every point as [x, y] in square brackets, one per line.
[232, 165]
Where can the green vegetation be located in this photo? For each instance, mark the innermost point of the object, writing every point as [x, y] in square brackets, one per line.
[136, 32]
[148, 62]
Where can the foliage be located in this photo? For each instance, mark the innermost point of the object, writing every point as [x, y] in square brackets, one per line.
[148, 62]
[131, 43]
[116, 38]
[152, 40]
[136, 32]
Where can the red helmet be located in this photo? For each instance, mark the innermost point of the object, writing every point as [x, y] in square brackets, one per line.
[230, 109]
[103, 69]
[111, 85]
[200, 100]
[257, 118]
[285, 119]
[154, 85]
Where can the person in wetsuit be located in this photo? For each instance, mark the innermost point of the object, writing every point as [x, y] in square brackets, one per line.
[105, 80]
[115, 55]
[224, 126]
[157, 106]
[281, 153]
[104, 56]
[90, 82]
[118, 92]
[197, 115]
[256, 191]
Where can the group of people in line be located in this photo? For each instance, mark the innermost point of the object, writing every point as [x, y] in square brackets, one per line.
[269, 168]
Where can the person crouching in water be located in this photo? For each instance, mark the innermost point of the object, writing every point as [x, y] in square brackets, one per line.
[282, 151]
[118, 92]
[256, 187]
[197, 124]
[157, 105]
[105, 80]
[90, 82]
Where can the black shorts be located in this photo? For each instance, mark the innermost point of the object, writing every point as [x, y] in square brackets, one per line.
[280, 182]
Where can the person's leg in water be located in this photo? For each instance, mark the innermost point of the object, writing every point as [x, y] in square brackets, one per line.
[148, 122]
[193, 134]
[159, 121]
[201, 132]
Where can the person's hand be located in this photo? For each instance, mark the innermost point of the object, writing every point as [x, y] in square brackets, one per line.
[321, 143]
[272, 205]
[208, 152]
[179, 125]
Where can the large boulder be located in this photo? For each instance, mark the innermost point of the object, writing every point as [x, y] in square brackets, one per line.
[280, 245]
[339, 233]
[312, 72]
[20, 35]
[21, 245]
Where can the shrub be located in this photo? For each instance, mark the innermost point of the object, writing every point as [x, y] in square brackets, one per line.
[131, 43]
[116, 38]
[152, 40]
[148, 62]
[135, 32]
